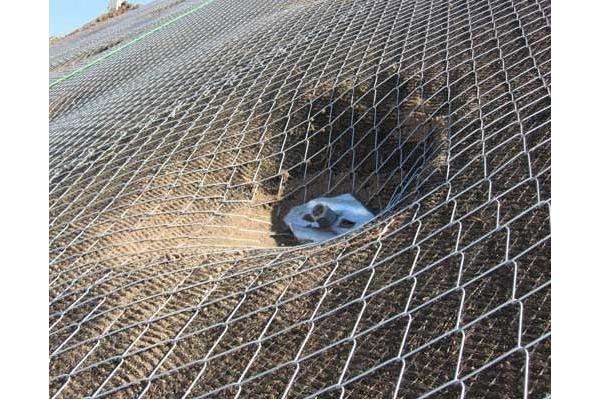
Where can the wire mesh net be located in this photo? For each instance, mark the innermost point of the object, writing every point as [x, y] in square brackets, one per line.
[174, 161]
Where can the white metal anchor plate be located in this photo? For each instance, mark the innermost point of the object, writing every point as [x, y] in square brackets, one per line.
[350, 214]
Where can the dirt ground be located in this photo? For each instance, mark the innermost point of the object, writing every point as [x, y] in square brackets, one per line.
[172, 273]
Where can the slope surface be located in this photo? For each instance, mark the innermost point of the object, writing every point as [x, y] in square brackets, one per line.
[173, 162]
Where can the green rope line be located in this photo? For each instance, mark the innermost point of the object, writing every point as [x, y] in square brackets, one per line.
[135, 40]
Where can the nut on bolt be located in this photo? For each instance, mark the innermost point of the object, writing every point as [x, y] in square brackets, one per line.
[323, 215]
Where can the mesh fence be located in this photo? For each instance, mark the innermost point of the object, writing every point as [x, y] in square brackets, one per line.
[93, 40]
[174, 161]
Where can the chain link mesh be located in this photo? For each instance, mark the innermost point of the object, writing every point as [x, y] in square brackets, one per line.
[174, 161]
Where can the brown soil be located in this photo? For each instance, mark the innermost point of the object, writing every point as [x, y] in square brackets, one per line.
[365, 151]
[164, 261]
